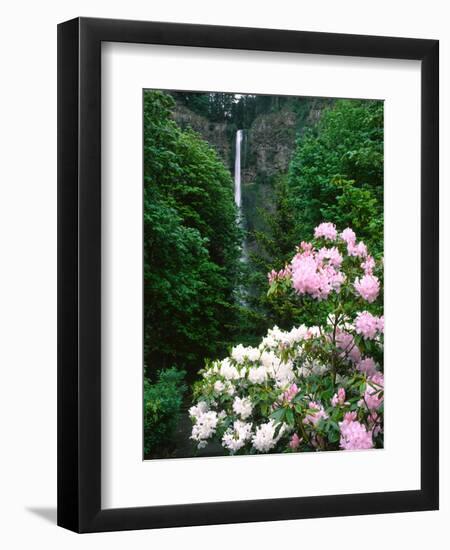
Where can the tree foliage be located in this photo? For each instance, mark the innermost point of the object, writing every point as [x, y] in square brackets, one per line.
[239, 111]
[337, 172]
[190, 243]
[162, 406]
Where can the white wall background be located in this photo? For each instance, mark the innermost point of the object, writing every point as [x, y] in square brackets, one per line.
[28, 269]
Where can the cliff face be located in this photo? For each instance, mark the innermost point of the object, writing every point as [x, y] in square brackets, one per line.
[267, 149]
[269, 145]
[217, 134]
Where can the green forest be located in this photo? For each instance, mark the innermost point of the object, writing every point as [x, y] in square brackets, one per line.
[304, 161]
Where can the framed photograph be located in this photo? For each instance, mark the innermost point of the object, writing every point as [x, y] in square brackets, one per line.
[248, 275]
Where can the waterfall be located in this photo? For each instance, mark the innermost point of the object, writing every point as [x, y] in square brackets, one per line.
[238, 188]
[237, 172]
[240, 215]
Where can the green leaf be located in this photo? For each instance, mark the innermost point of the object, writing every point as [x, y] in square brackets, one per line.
[290, 417]
[278, 415]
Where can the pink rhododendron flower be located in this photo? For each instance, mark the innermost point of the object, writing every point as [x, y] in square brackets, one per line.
[378, 379]
[350, 416]
[354, 436]
[314, 417]
[277, 275]
[381, 324]
[272, 276]
[359, 250]
[373, 396]
[338, 398]
[326, 230]
[341, 395]
[346, 343]
[368, 265]
[367, 287]
[348, 235]
[306, 278]
[314, 276]
[305, 247]
[334, 278]
[290, 393]
[367, 325]
[330, 254]
[367, 366]
[295, 441]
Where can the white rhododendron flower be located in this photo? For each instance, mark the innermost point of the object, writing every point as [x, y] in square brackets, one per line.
[240, 353]
[312, 367]
[273, 338]
[236, 437]
[252, 354]
[219, 386]
[284, 374]
[243, 407]
[264, 439]
[212, 370]
[231, 390]
[297, 334]
[204, 426]
[228, 371]
[313, 332]
[257, 375]
[197, 410]
[270, 361]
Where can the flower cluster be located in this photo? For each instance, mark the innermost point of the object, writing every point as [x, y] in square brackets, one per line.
[310, 388]
[368, 325]
[279, 275]
[326, 230]
[273, 398]
[354, 435]
[338, 398]
[205, 423]
[368, 287]
[318, 272]
[236, 437]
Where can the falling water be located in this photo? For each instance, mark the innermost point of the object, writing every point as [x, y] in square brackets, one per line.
[237, 171]
[238, 201]
[238, 190]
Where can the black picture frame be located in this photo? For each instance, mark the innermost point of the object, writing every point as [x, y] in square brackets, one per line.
[79, 274]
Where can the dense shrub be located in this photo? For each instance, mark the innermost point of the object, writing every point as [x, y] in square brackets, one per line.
[311, 388]
[162, 405]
